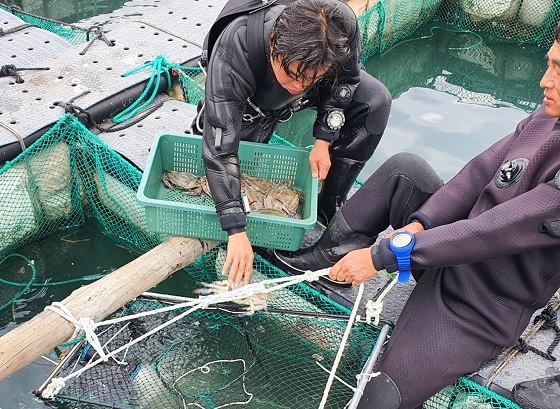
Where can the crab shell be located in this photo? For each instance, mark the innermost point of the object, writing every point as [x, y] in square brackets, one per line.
[183, 181]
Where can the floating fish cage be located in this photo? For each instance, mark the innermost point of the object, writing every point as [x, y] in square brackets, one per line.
[219, 356]
[172, 212]
[215, 356]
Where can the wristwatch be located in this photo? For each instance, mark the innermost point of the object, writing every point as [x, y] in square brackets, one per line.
[401, 244]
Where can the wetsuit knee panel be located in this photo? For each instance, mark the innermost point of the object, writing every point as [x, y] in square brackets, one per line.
[410, 166]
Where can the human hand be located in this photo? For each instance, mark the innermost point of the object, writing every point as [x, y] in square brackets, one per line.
[414, 227]
[239, 260]
[354, 268]
[320, 159]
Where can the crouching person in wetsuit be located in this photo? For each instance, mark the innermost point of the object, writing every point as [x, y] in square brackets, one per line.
[484, 250]
[313, 52]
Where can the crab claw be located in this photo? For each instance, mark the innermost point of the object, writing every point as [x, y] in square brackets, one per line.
[203, 291]
[217, 287]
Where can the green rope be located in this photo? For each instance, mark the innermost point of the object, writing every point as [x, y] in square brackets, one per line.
[159, 65]
[479, 42]
[27, 286]
[31, 283]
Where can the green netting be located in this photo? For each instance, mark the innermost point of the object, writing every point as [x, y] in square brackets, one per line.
[215, 358]
[390, 21]
[68, 175]
[466, 394]
[74, 34]
[524, 21]
[65, 176]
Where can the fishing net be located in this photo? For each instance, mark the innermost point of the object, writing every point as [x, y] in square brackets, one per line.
[522, 21]
[466, 394]
[384, 23]
[223, 356]
[74, 34]
[209, 358]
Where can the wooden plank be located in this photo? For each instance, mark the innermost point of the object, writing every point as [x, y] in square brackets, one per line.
[46, 330]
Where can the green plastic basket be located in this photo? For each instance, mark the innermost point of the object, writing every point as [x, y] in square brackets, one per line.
[172, 212]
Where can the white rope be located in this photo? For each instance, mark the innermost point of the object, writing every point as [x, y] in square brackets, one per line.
[337, 377]
[86, 324]
[196, 304]
[374, 308]
[342, 346]
[54, 386]
[245, 291]
[206, 369]
[369, 376]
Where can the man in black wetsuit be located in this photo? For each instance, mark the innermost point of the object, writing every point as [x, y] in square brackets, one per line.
[484, 250]
[313, 57]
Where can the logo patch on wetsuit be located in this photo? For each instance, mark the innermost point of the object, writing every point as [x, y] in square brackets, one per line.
[510, 172]
[342, 93]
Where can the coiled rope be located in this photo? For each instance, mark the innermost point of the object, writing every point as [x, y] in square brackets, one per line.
[31, 283]
[159, 66]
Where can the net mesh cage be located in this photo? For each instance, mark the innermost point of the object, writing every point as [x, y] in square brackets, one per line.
[220, 355]
[272, 357]
[385, 23]
[72, 33]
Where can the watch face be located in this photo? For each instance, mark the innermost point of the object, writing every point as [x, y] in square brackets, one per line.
[402, 239]
[335, 120]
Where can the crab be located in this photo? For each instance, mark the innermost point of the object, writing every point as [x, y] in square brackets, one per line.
[256, 302]
[184, 181]
[255, 189]
[283, 198]
[267, 197]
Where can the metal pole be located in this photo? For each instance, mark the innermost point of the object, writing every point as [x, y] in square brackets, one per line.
[368, 368]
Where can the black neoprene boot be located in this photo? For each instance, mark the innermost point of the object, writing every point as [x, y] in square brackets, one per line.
[541, 393]
[341, 177]
[380, 393]
[337, 241]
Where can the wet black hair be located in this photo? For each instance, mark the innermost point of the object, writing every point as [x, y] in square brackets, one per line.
[313, 34]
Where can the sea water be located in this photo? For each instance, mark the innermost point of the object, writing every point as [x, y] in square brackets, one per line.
[454, 94]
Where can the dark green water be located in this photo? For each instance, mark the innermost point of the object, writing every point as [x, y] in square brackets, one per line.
[68, 11]
[454, 95]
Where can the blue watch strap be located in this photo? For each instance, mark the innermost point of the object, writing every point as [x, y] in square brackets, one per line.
[402, 253]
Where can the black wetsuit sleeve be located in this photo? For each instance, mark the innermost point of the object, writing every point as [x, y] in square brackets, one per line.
[338, 95]
[457, 233]
[229, 82]
[518, 225]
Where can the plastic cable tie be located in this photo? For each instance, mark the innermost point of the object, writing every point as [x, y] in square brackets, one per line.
[245, 201]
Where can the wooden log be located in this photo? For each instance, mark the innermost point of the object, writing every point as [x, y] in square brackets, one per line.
[46, 330]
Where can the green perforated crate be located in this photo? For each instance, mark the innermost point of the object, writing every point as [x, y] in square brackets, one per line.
[172, 212]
